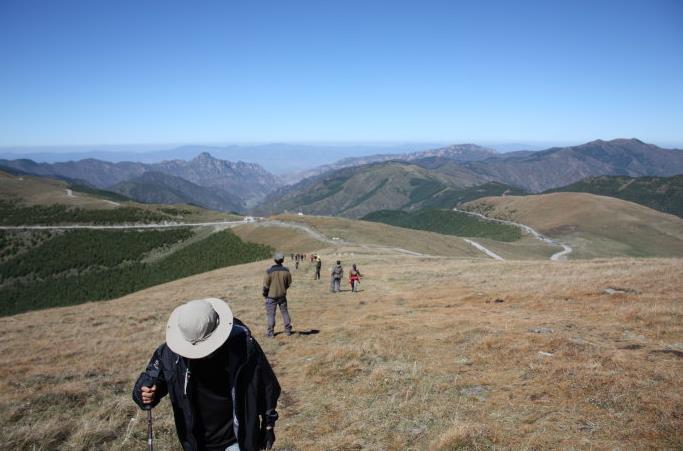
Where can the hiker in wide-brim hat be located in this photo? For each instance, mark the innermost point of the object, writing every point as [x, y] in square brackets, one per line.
[222, 388]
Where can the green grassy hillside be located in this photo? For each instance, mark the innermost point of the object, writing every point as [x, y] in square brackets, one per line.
[104, 194]
[446, 222]
[356, 191]
[29, 200]
[160, 188]
[660, 193]
[452, 197]
[91, 265]
[15, 214]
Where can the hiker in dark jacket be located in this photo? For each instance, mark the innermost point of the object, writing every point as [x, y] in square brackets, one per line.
[337, 274]
[222, 388]
[275, 285]
[318, 267]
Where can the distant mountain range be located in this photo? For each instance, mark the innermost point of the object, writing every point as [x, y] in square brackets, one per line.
[159, 188]
[281, 159]
[560, 166]
[456, 152]
[438, 178]
[246, 181]
[205, 181]
[442, 178]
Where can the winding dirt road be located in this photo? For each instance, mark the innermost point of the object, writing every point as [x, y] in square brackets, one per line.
[304, 228]
[168, 225]
[562, 255]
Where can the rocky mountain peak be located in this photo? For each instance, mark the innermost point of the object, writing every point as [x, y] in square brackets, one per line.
[204, 156]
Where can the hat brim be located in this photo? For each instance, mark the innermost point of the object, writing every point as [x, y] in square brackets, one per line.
[178, 344]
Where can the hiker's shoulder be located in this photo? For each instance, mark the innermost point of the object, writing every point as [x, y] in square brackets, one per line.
[241, 335]
[277, 268]
[164, 353]
[239, 328]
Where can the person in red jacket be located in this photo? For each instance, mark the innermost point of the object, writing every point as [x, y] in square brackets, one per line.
[354, 278]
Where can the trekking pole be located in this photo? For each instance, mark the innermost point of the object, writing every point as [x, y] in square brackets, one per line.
[150, 434]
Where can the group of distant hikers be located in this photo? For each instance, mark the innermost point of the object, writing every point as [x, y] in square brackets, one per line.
[337, 274]
[297, 258]
[222, 388]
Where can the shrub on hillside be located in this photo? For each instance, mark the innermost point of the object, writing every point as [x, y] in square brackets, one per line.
[447, 222]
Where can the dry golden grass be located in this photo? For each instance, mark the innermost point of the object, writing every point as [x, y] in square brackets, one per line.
[422, 358]
[45, 191]
[281, 238]
[383, 237]
[595, 226]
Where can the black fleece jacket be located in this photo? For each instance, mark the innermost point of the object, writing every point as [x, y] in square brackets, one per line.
[255, 391]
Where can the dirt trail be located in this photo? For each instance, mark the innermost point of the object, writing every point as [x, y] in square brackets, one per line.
[219, 225]
[561, 255]
[488, 252]
[304, 228]
[336, 242]
[164, 225]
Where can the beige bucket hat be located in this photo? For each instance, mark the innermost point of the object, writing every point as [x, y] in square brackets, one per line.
[197, 328]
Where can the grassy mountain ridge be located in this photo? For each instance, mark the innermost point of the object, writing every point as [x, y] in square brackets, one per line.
[15, 214]
[451, 197]
[32, 200]
[286, 233]
[595, 226]
[660, 193]
[356, 191]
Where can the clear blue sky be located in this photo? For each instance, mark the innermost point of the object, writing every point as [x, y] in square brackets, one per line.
[112, 72]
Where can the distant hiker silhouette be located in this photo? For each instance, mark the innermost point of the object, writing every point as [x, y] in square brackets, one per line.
[354, 278]
[206, 350]
[336, 276]
[318, 267]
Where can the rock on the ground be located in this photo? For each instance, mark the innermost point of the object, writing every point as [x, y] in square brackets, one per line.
[541, 330]
[475, 391]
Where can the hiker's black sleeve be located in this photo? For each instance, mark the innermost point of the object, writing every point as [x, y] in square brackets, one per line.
[270, 387]
[153, 375]
[266, 284]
